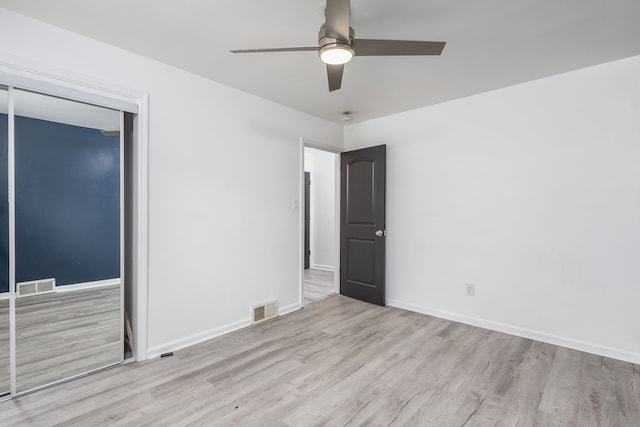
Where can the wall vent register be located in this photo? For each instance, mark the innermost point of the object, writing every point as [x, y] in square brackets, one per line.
[265, 311]
[35, 287]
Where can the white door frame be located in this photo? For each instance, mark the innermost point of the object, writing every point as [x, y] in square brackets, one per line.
[331, 149]
[48, 79]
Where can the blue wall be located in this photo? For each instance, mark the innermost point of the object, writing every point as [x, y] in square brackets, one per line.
[67, 203]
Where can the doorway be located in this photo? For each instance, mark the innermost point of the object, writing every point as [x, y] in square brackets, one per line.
[320, 218]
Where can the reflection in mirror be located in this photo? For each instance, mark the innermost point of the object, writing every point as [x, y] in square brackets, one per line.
[4, 245]
[4, 347]
[68, 309]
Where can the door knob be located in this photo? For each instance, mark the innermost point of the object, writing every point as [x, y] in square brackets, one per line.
[380, 233]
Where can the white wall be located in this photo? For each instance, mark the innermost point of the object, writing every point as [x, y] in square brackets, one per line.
[223, 172]
[321, 166]
[532, 193]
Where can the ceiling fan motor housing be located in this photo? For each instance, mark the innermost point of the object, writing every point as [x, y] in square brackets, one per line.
[327, 43]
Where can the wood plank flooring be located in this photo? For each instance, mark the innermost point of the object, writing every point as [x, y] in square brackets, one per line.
[341, 362]
[4, 347]
[318, 285]
[62, 334]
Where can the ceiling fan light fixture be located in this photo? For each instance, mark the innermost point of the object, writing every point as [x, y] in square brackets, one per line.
[336, 53]
[337, 43]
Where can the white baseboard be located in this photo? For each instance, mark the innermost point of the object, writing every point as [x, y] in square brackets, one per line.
[588, 347]
[190, 340]
[194, 339]
[289, 308]
[88, 285]
[322, 267]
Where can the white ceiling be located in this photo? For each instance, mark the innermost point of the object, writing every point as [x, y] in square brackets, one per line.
[490, 44]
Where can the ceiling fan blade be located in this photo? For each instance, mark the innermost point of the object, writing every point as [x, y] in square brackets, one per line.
[334, 72]
[337, 23]
[277, 49]
[368, 47]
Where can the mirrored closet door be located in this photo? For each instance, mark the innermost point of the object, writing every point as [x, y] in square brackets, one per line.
[66, 266]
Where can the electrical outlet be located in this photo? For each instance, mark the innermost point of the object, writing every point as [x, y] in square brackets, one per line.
[470, 289]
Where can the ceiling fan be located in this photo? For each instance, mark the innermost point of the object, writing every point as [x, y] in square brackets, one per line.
[337, 45]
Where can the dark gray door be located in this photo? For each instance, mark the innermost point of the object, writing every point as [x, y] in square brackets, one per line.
[362, 224]
[307, 223]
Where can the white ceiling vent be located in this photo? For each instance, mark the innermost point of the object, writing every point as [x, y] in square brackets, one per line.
[265, 311]
[35, 287]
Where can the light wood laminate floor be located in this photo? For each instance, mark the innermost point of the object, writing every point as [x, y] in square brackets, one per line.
[342, 362]
[62, 334]
[318, 284]
[4, 347]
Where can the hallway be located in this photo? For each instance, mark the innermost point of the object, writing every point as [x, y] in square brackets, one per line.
[318, 284]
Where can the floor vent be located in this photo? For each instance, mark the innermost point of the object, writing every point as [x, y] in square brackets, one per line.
[265, 311]
[35, 287]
